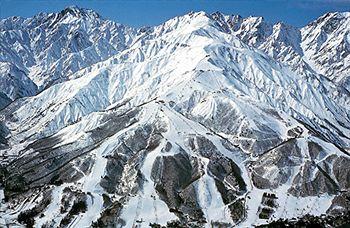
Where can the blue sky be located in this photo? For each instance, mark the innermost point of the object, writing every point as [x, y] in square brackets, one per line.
[138, 13]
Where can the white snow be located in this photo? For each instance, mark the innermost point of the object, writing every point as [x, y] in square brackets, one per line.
[183, 73]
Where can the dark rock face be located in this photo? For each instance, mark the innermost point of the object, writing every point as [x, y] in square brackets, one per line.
[4, 100]
[73, 202]
[225, 170]
[174, 178]
[220, 167]
[3, 133]
[263, 139]
[276, 166]
[110, 217]
[316, 151]
[328, 176]
[226, 174]
[63, 164]
[295, 132]
[268, 205]
[340, 204]
[123, 176]
[114, 170]
[130, 152]
[342, 172]
[46, 163]
[27, 217]
[306, 183]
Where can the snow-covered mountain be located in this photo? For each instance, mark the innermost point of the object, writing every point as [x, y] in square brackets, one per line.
[48, 48]
[205, 120]
[322, 45]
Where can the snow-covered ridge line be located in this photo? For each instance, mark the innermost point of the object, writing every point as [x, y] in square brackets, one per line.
[207, 120]
[67, 58]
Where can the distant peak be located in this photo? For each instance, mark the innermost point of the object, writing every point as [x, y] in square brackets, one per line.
[237, 17]
[282, 25]
[77, 11]
[218, 14]
[339, 14]
[329, 17]
[196, 14]
[228, 23]
[345, 14]
[255, 18]
[74, 8]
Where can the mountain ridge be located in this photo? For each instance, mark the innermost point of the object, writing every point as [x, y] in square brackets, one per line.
[291, 55]
[188, 125]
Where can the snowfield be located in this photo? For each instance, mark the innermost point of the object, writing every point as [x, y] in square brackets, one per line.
[204, 120]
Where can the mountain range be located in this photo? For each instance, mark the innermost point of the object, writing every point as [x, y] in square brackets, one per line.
[207, 120]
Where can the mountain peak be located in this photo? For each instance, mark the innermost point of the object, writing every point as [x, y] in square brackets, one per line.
[194, 14]
[344, 14]
[78, 12]
[330, 16]
[208, 120]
